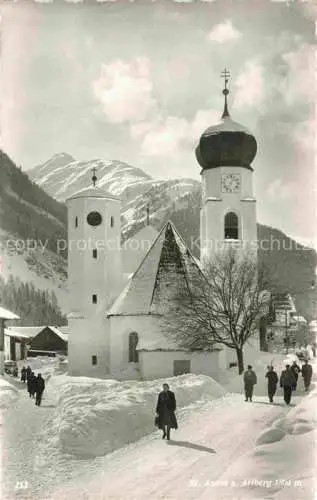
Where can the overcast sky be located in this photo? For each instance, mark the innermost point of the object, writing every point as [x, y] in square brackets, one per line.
[140, 81]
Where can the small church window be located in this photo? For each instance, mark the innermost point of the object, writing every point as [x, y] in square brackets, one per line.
[94, 299]
[112, 221]
[94, 360]
[133, 353]
[94, 253]
[76, 221]
[231, 226]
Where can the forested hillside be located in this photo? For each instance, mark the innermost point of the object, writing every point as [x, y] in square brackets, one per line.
[35, 307]
[26, 211]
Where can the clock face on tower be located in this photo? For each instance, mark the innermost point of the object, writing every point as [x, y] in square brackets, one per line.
[230, 183]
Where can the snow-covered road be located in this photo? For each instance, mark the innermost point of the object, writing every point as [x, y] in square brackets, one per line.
[212, 436]
[22, 422]
[207, 442]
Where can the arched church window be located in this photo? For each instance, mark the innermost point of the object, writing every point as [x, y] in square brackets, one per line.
[133, 353]
[112, 221]
[76, 221]
[231, 226]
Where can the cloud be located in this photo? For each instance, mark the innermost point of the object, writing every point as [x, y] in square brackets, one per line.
[300, 84]
[281, 191]
[168, 135]
[125, 90]
[224, 32]
[249, 85]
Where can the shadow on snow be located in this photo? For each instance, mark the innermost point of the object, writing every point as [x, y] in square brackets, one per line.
[186, 444]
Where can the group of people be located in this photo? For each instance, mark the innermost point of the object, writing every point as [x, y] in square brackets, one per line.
[35, 384]
[288, 380]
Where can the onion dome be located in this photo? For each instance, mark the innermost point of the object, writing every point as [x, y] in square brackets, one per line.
[227, 143]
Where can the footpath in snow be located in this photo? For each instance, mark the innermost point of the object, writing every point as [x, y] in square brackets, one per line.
[224, 448]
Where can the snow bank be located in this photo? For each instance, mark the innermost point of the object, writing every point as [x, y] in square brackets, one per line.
[45, 365]
[95, 417]
[8, 393]
[282, 464]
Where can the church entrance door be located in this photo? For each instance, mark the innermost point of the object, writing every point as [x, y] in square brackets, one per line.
[181, 366]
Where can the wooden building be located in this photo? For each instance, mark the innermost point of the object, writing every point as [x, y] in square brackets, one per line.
[49, 341]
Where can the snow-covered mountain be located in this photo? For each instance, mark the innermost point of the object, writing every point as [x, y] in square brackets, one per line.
[28, 210]
[61, 176]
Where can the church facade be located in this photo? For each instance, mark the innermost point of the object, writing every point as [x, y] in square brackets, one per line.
[116, 326]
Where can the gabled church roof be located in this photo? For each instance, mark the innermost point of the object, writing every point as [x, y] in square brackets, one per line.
[167, 263]
[135, 248]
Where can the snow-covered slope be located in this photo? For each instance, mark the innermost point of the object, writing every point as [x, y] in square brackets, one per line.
[62, 176]
[45, 269]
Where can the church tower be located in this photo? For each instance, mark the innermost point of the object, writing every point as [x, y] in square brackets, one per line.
[94, 277]
[228, 213]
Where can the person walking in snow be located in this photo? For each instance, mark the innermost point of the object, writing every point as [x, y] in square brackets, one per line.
[296, 370]
[287, 381]
[33, 384]
[165, 408]
[307, 373]
[28, 372]
[23, 374]
[39, 389]
[30, 384]
[250, 381]
[272, 380]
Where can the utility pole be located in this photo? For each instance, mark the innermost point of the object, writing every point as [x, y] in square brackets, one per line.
[286, 331]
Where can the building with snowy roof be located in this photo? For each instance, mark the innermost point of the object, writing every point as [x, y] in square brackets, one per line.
[119, 295]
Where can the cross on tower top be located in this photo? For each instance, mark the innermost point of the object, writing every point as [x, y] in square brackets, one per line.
[94, 177]
[226, 75]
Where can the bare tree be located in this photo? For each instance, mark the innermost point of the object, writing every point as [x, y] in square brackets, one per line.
[222, 304]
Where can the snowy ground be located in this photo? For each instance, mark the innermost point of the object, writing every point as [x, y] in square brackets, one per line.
[221, 439]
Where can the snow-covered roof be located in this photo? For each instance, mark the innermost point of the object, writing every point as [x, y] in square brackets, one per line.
[33, 331]
[164, 344]
[283, 301]
[166, 263]
[13, 333]
[59, 333]
[6, 314]
[27, 331]
[92, 192]
[135, 248]
[158, 344]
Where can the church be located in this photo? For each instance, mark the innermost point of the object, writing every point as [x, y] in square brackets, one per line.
[115, 323]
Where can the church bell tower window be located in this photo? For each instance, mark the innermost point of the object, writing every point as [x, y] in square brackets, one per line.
[231, 226]
[94, 253]
[76, 221]
[111, 221]
[94, 299]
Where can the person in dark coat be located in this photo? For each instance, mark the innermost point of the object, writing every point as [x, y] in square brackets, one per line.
[23, 374]
[33, 384]
[307, 373]
[287, 381]
[250, 381]
[296, 370]
[28, 372]
[30, 384]
[272, 380]
[39, 389]
[165, 408]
